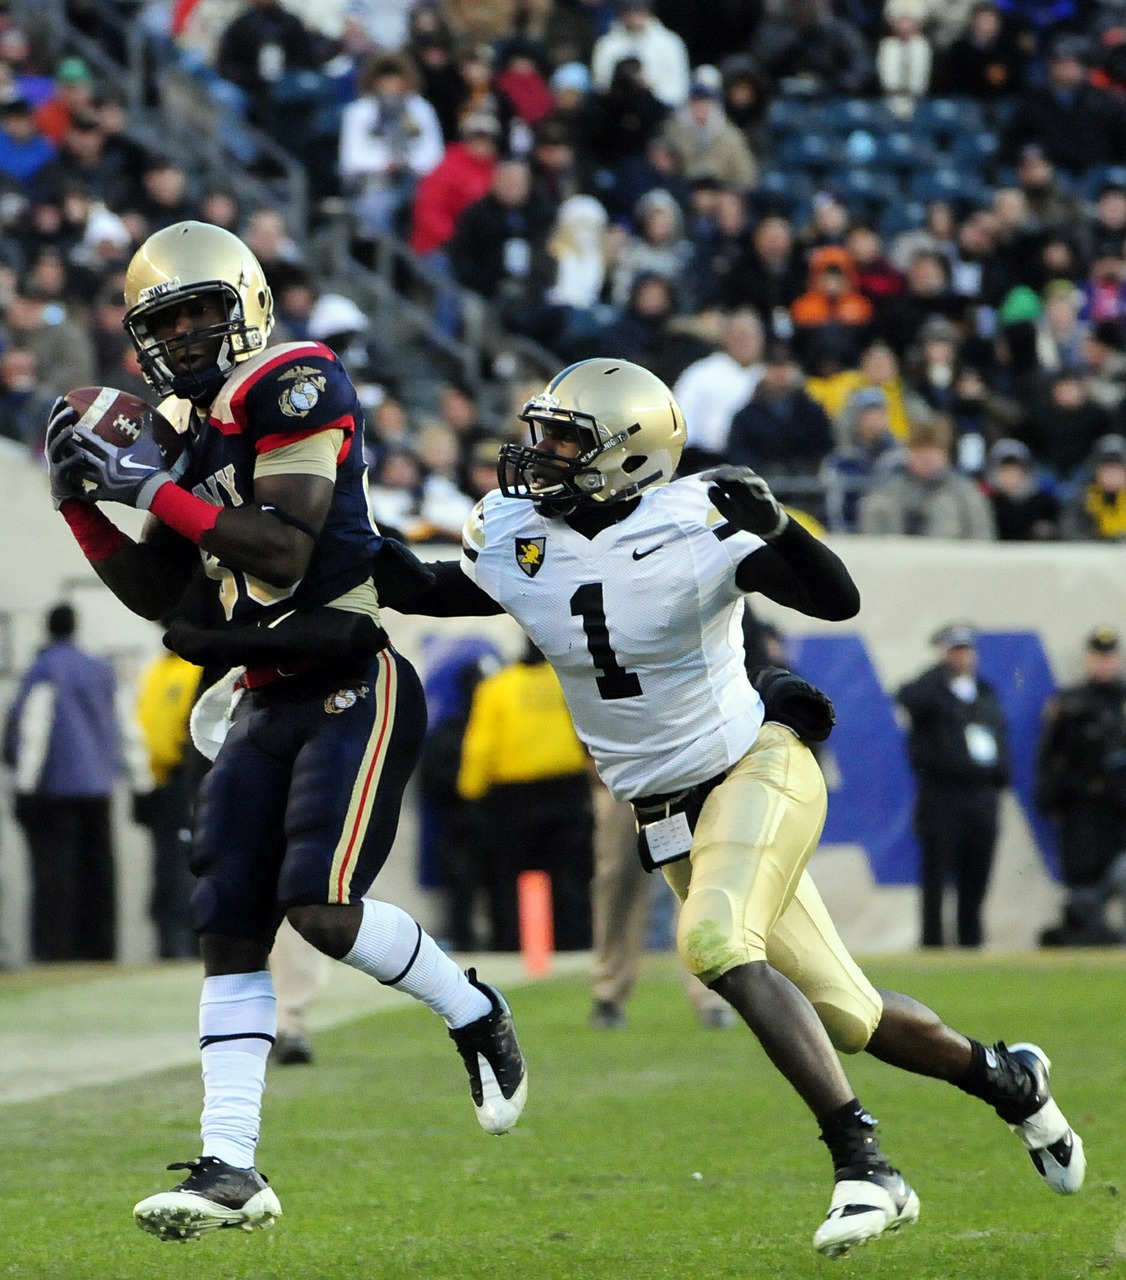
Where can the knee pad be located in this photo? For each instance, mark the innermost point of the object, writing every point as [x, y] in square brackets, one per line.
[708, 939]
[850, 1026]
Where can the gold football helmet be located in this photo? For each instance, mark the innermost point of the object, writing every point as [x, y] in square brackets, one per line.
[629, 430]
[185, 264]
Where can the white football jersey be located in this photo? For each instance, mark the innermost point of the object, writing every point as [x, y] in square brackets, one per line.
[642, 624]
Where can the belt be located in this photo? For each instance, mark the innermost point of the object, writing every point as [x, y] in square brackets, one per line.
[258, 677]
[662, 805]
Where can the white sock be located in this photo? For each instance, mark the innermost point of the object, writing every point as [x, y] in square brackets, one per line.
[395, 950]
[237, 1023]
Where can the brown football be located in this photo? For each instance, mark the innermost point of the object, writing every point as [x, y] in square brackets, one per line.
[121, 419]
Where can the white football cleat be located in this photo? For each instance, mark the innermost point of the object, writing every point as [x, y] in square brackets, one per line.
[863, 1207]
[213, 1196]
[1054, 1147]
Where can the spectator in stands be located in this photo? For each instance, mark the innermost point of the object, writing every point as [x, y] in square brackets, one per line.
[265, 43]
[722, 244]
[658, 246]
[781, 431]
[557, 173]
[1104, 232]
[832, 314]
[646, 332]
[439, 78]
[62, 741]
[58, 342]
[932, 363]
[390, 137]
[1076, 125]
[577, 307]
[570, 86]
[624, 116]
[521, 758]
[481, 97]
[339, 323]
[81, 160]
[828, 224]
[937, 235]
[443, 508]
[1063, 425]
[706, 143]
[499, 246]
[269, 239]
[1097, 511]
[24, 150]
[927, 498]
[164, 197]
[867, 454]
[520, 78]
[24, 399]
[73, 95]
[1025, 509]
[805, 49]
[115, 362]
[770, 277]
[904, 57]
[295, 296]
[878, 367]
[928, 292]
[876, 277]
[1060, 334]
[711, 390]
[1104, 291]
[1050, 207]
[1104, 363]
[463, 175]
[460, 413]
[656, 169]
[979, 273]
[746, 97]
[637, 33]
[985, 60]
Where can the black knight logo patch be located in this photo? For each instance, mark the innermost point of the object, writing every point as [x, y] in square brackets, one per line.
[529, 554]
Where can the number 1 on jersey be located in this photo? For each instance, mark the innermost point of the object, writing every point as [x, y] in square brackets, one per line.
[615, 681]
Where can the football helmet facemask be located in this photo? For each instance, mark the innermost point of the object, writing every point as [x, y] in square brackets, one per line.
[628, 427]
[185, 263]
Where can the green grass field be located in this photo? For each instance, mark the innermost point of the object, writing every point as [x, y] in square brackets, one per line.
[661, 1151]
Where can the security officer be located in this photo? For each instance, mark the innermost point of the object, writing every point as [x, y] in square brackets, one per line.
[1081, 783]
[958, 746]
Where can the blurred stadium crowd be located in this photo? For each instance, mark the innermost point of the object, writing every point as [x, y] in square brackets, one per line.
[877, 248]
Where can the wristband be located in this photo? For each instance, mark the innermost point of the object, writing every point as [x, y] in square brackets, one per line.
[94, 532]
[183, 511]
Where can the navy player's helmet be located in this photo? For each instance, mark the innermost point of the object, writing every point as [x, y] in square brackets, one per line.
[187, 263]
[629, 429]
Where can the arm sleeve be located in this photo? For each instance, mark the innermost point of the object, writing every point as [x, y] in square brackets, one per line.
[453, 595]
[799, 571]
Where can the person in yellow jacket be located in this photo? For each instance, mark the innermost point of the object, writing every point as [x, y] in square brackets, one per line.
[522, 760]
[165, 695]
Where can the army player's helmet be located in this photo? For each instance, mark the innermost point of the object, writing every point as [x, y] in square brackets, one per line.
[181, 263]
[629, 428]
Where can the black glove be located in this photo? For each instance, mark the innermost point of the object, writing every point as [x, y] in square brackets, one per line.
[743, 497]
[65, 464]
[130, 475]
[795, 703]
[398, 573]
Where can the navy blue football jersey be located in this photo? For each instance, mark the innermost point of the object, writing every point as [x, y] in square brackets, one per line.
[277, 399]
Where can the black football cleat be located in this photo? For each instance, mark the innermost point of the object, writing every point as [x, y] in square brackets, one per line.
[498, 1075]
[214, 1195]
[1053, 1146]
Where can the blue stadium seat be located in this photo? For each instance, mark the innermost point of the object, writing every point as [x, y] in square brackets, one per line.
[902, 215]
[974, 152]
[1092, 183]
[949, 184]
[904, 153]
[943, 119]
[843, 115]
[787, 115]
[782, 191]
[865, 192]
[813, 153]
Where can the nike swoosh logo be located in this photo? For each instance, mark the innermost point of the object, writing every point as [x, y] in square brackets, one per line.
[640, 555]
[134, 466]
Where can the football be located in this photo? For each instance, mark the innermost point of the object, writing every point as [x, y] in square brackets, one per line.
[121, 419]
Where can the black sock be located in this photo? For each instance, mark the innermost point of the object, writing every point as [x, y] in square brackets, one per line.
[997, 1078]
[850, 1134]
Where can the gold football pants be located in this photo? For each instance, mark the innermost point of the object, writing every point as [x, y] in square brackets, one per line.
[747, 895]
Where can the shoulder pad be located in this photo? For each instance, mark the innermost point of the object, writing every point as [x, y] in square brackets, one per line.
[473, 534]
